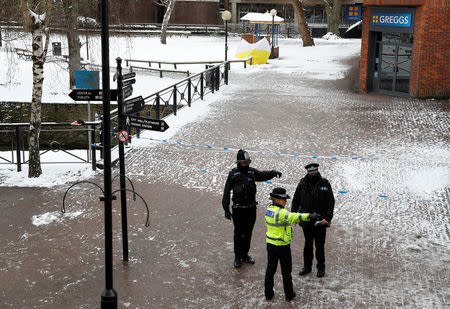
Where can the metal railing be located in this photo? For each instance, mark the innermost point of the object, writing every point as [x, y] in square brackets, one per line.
[163, 102]
[18, 135]
[185, 92]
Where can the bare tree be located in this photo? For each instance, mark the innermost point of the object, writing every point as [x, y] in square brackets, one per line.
[333, 9]
[169, 5]
[36, 19]
[71, 15]
[302, 24]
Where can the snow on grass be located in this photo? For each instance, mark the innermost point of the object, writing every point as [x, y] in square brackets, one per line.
[320, 61]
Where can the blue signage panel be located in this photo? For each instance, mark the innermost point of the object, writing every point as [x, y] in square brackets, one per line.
[87, 79]
[353, 12]
[391, 20]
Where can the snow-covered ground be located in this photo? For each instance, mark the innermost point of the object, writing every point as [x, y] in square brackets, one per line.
[324, 61]
[387, 160]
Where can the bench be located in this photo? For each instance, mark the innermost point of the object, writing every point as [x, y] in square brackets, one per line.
[158, 70]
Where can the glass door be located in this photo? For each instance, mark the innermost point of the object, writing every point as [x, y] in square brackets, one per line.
[393, 64]
[404, 55]
[387, 66]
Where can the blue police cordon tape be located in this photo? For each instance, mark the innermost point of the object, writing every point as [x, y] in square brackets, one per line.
[180, 143]
[341, 192]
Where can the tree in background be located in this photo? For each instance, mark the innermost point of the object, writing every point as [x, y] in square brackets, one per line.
[302, 24]
[169, 5]
[36, 16]
[70, 13]
[333, 9]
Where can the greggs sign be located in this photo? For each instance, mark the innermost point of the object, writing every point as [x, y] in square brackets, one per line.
[391, 20]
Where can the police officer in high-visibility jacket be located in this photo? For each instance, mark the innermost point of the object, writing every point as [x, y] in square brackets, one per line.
[278, 237]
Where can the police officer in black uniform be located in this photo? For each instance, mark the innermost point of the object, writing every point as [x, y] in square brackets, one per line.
[242, 180]
[314, 195]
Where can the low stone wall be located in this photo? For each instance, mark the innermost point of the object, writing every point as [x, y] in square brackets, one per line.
[17, 112]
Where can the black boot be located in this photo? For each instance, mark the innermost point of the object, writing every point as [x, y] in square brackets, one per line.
[306, 270]
[237, 262]
[320, 272]
[269, 297]
[249, 259]
[290, 297]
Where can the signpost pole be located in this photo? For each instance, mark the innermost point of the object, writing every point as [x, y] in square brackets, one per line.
[123, 193]
[109, 295]
[89, 133]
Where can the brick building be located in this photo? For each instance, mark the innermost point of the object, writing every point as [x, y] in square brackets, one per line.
[405, 48]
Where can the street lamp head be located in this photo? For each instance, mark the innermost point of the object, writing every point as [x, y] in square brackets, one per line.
[226, 15]
[273, 12]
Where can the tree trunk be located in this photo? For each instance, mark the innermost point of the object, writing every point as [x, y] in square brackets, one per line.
[303, 25]
[39, 52]
[73, 40]
[333, 9]
[165, 22]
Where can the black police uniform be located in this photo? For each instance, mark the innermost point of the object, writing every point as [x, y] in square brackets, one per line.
[242, 180]
[314, 195]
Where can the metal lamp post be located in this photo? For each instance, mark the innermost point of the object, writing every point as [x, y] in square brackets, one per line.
[273, 12]
[226, 16]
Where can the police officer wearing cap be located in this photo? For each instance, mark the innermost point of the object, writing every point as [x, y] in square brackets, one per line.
[278, 238]
[314, 194]
[242, 180]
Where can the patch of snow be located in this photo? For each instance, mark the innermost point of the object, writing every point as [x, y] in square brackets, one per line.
[54, 216]
[330, 36]
[414, 248]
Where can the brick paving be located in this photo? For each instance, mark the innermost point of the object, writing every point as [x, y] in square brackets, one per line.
[381, 252]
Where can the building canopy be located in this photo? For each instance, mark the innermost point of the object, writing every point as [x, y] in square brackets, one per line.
[261, 18]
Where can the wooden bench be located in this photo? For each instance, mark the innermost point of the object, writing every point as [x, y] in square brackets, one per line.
[158, 70]
[23, 53]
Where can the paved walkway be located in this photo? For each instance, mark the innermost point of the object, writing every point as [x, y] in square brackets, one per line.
[382, 252]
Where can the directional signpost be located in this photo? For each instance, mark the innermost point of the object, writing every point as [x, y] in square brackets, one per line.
[127, 91]
[128, 82]
[91, 95]
[133, 105]
[129, 75]
[147, 123]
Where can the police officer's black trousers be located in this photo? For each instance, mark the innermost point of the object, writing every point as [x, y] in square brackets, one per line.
[244, 221]
[283, 254]
[314, 235]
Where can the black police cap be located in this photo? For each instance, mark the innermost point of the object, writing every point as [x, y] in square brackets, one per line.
[279, 193]
[312, 167]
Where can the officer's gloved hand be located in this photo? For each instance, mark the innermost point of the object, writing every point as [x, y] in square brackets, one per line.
[315, 216]
[276, 173]
[228, 214]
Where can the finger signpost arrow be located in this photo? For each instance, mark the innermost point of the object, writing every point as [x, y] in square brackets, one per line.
[133, 105]
[129, 75]
[127, 91]
[91, 95]
[129, 82]
[147, 123]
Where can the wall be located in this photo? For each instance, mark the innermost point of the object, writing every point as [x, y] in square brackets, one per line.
[430, 70]
[198, 12]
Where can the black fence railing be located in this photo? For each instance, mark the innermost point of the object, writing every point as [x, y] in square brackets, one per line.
[186, 91]
[58, 137]
[54, 137]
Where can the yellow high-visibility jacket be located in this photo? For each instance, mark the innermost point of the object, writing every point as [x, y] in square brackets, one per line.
[278, 222]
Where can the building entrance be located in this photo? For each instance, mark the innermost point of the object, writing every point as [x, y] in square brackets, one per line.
[393, 62]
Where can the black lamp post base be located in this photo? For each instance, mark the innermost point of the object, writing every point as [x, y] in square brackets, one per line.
[109, 299]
